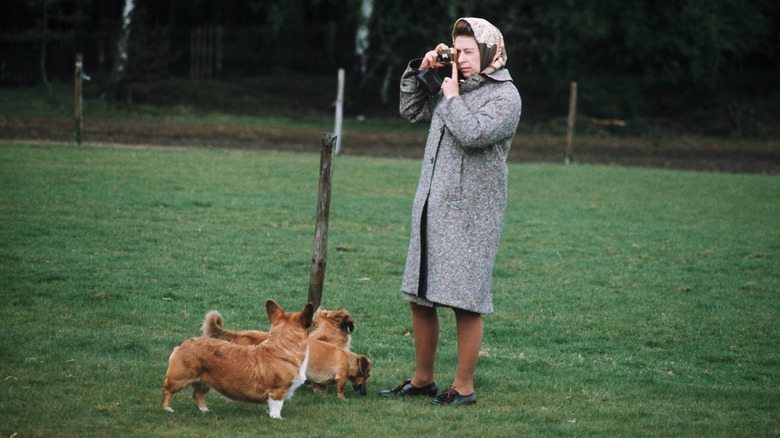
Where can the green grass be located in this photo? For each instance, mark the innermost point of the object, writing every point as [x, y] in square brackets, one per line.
[630, 302]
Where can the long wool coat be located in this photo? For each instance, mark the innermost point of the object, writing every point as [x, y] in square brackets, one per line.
[463, 182]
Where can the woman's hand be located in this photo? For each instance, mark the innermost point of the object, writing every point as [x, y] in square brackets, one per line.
[429, 61]
[450, 86]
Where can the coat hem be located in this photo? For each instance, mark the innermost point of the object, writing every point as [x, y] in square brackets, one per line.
[420, 301]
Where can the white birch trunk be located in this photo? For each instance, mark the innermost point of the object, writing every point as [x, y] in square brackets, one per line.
[120, 62]
[362, 34]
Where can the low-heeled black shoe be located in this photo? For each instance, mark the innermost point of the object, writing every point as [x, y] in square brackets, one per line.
[451, 397]
[407, 389]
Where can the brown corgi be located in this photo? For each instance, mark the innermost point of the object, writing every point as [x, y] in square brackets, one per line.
[329, 364]
[267, 372]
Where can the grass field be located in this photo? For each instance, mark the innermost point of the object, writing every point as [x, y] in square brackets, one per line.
[630, 302]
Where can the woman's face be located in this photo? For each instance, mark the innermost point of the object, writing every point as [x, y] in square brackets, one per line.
[468, 55]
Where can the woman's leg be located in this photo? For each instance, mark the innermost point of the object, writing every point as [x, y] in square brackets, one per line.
[425, 322]
[469, 326]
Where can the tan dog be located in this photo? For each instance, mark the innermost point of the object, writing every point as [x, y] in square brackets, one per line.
[329, 363]
[333, 365]
[264, 373]
[334, 327]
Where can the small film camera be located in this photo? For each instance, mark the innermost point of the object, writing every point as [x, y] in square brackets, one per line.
[431, 79]
[447, 56]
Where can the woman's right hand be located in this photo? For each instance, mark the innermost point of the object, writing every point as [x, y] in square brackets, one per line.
[429, 61]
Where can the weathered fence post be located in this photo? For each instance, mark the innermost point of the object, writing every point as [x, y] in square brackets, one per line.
[339, 110]
[320, 252]
[570, 131]
[78, 74]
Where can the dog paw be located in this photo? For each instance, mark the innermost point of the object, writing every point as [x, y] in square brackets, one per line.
[275, 408]
[204, 409]
[168, 409]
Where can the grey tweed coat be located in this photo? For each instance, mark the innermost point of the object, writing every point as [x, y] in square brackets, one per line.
[462, 186]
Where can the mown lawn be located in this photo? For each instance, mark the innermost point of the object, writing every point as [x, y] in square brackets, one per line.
[630, 302]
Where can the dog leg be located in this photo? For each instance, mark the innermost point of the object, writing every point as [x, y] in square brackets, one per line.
[275, 408]
[199, 390]
[168, 391]
[340, 383]
[177, 377]
[172, 386]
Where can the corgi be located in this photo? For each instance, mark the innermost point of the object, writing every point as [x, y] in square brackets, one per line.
[329, 364]
[268, 372]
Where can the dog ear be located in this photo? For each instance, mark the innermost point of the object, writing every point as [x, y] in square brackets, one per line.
[364, 365]
[347, 326]
[273, 310]
[307, 314]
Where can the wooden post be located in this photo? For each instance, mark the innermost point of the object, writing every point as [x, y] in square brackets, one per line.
[320, 252]
[78, 75]
[570, 132]
[339, 110]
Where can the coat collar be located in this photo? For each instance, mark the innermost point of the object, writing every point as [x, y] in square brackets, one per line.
[475, 81]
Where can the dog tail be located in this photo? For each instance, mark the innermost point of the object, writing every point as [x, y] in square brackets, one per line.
[212, 325]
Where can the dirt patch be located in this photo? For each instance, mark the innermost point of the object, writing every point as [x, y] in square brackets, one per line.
[692, 154]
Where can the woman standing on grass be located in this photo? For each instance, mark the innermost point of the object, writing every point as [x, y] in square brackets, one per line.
[458, 211]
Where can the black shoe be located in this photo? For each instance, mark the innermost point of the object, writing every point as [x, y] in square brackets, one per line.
[407, 389]
[451, 397]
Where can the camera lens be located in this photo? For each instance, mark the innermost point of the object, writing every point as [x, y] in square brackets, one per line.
[447, 56]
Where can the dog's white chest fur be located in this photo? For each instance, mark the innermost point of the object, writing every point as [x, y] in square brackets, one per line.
[301, 378]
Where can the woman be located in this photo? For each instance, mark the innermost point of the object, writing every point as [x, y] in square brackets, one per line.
[458, 210]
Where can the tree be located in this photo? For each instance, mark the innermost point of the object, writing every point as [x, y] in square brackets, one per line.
[118, 76]
[362, 35]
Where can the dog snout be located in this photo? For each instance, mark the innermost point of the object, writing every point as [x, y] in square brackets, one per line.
[360, 388]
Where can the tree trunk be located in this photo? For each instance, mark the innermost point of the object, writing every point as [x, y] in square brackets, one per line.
[118, 77]
[361, 51]
[362, 34]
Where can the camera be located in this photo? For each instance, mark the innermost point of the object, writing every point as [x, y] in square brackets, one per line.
[447, 56]
[430, 79]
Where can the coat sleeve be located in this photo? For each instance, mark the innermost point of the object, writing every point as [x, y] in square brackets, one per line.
[481, 127]
[416, 105]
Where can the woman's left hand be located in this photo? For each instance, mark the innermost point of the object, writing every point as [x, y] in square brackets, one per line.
[450, 86]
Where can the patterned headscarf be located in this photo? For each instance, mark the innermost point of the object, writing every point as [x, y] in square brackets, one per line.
[492, 53]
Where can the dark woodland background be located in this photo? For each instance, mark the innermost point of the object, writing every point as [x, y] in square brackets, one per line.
[707, 67]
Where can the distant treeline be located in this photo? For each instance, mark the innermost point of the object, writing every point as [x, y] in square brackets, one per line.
[651, 56]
